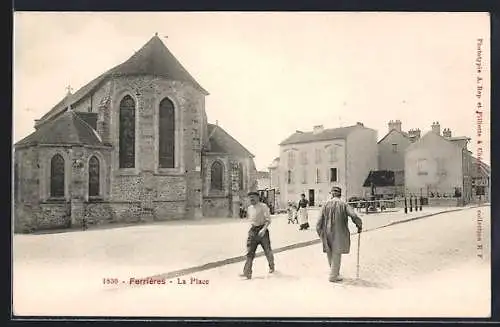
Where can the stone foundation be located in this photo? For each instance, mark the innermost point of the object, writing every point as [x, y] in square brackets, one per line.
[217, 207]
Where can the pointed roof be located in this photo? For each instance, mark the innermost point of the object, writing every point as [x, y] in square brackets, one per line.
[222, 142]
[325, 135]
[391, 131]
[66, 129]
[155, 59]
[152, 59]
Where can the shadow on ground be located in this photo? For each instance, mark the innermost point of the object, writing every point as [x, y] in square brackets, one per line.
[364, 283]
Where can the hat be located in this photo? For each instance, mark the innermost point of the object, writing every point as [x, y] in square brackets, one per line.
[253, 193]
[336, 189]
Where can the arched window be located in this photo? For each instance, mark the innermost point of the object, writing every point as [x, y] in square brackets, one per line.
[167, 134]
[217, 172]
[127, 132]
[57, 176]
[93, 176]
[241, 176]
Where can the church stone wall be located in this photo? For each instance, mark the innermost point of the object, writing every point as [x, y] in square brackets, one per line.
[53, 216]
[26, 189]
[146, 183]
[92, 102]
[217, 207]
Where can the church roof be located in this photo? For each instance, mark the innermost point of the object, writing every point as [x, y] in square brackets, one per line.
[152, 59]
[222, 142]
[325, 135]
[66, 129]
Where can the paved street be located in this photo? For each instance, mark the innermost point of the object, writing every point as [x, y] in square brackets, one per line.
[424, 267]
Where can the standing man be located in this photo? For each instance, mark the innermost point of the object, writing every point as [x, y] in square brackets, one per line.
[260, 218]
[333, 231]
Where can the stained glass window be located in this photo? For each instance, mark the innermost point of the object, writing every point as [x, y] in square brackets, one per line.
[217, 172]
[93, 176]
[127, 132]
[167, 134]
[57, 176]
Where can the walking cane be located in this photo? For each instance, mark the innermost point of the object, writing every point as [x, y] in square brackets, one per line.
[357, 264]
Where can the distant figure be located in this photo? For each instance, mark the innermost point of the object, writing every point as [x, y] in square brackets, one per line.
[292, 213]
[243, 212]
[333, 231]
[302, 212]
[260, 218]
[85, 225]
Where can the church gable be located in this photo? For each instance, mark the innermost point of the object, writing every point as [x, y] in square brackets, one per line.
[152, 59]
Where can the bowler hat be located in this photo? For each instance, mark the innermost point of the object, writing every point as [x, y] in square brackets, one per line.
[253, 193]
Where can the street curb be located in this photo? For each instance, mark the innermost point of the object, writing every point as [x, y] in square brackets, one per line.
[219, 263]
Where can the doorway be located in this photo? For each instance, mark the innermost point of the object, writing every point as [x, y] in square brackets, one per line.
[311, 197]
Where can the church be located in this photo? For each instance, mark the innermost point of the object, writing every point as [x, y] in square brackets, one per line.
[132, 145]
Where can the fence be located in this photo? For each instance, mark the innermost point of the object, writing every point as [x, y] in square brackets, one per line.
[409, 204]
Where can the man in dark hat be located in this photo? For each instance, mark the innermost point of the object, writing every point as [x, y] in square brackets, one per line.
[333, 230]
[260, 218]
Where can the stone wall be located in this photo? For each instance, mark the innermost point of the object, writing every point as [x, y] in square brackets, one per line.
[184, 181]
[217, 207]
[444, 202]
[53, 216]
[169, 210]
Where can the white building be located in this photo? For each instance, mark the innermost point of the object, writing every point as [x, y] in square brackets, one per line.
[312, 162]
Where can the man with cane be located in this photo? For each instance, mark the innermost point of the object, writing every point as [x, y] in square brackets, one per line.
[333, 231]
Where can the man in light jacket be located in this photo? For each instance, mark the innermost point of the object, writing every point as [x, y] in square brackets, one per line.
[333, 231]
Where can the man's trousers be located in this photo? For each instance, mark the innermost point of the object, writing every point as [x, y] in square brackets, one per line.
[334, 260]
[253, 242]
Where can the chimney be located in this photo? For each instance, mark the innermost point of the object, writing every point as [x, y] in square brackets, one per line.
[318, 129]
[436, 128]
[414, 134]
[394, 124]
[446, 132]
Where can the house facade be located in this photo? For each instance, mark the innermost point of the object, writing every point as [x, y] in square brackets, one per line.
[391, 152]
[263, 180]
[311, 163]
[132, 145]
[438, 166]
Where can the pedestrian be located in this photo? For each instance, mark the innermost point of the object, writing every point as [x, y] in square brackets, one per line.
[333, 231]
[242, 211]
[84, 224]
[260, 218]
[292, 213]
[302, 212]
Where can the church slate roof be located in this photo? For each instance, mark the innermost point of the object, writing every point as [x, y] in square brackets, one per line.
[325, 135]
[66, 129]
[222, 142]
[152, 59]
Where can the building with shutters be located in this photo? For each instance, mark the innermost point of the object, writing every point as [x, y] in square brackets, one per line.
[312, 162]
[132, 145]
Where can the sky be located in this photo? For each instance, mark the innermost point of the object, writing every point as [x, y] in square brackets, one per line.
[269, 74]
